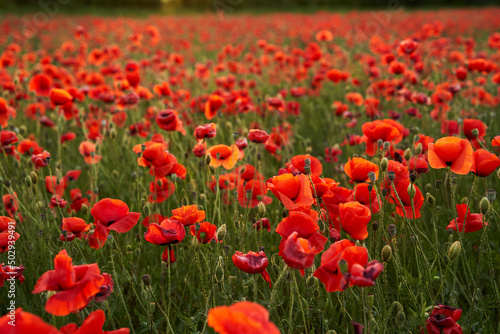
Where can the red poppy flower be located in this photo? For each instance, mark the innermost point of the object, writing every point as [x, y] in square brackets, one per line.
[358, 168]
[362, 275]
[68, 136]
[373, 131]
[167, 233]
[299, 161]
[205, 131]
[7, 138]
[106, 289]
[402, 192]
[223, 155]
[41, 84]
[10, 204]
[469, 126]
[10, 273]
[169, 120]
[160, 190]
[88, 150]
[60, 97]
[298, 253]
[241, 317]
[75, 285]
[443, 319]
[204, 232]
[262, 223]
[473, 221]
[366, 197]
[41, 160]
[252, 263]
[213, 105]
[451, 152]
[485, 163]
[251, 193]
[188, 215]
[258, 136]
[6, 112]
[25, 323]
[305, 226]
[74, 227]
[92, 325]
[29, 147]
[292, 191]
[354, 218]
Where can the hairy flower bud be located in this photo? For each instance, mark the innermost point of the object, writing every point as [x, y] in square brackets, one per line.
[454, 250]
[386, 253]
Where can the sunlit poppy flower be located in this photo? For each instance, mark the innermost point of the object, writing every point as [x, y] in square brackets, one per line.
[443, 319]
[204, 232]
[167, 233]
[407, 46]
[11, 273]
[293, 191]
[41, 84]
[405, 208]
[473, 221]
[373, 131]
[223, 155]
[299, 161]
[298, 253]
[41, 159]
[25, 323]
[358, 169]
[88, 150]
[252, 263]
[169, 120]
[354, 219]
[241, 317]
[59, 97]
[451, 152]
[188, 215]
[74, 227]
[425, 141]
[213, 105]
[324, 36]
[251, 193]
[162, 89]
[362, 275]
[305, 226]
[258, 136]
[92, 325]
[75, 285]
[205, 131]
[485, 163]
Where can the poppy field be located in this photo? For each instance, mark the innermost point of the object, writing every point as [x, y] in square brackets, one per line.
[237, 174]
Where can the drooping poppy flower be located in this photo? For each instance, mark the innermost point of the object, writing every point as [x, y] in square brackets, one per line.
[443, 319]
[204, 232]
[92, 325]
[354, 219]
[299, 161]
[473, 221]
[88, 150]
[188, 215]
[223, 155]
[169, 120]
[362, 275]
[358, 168]
[292, 191]
[258, 136]
[298, 253]
[74, 228]
[213, 105]
[305, 226]
[329, 272]
[451, 152]
[60, 97]
[75, 285]
[11, 273]
[205, 131]
[111, 215]
[241, 317]
[485, 163]
[25, 323]
[167, 233]
[252, 263]
[401, 192]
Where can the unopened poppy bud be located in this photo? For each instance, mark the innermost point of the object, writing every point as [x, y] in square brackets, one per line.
[391, 175]
[28, 182]
[407, 154]
[112, 133]
[411, 190]
[438, 184]
[202, 197]
[307, 168]
[343, 266]
[115, 174]
[384, 163]
[370, 188]
[384, 192]
[261, 207]
[454, 250]
[416, 138]
[249, 194]
[380, 143]
[212, 169]
[392, 229]
[386, 145]
[146, 209]
[418, 149]
[484, 205]
[73, 213]
[208, 159]
[413, 176]
[372, 177]
[221, 232]
[430, 199]
[7, 183]
[491, 195]
[146, 279]
[309, 149]
[133, 175]
[307, 161]
[400, 319]
[152, 307]
[34, 177]
[475, 132]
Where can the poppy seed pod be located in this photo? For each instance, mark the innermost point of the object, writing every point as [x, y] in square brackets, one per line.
[380, 143]
[372, 177]
[491, 194]
[391, 175]
[475, 132]
[386, 145]
[386, 253]
[392, 229]
[454, 250]
[146, 279]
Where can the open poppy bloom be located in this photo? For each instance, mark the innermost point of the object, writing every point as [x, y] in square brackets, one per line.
[223, 155]
[366, 197]
[241, 317]
[167, 233]
[213, 105]
[354, 218]
[111, 215]
[25, 322]
[251, 193]
[205, 131]
[60, 97]
[485, 163]
[362, 275]
[75, 285]
[298, 253]
[88, 150]
[169, 120]
[443, 319]
[75, 227]
[160, 190]
[188, 215]
[6, 112]
[10, 273]
[469, 126]
[406, 210]
[41, 84]
[305, 226]
[258, 136]
[299, 161]
[451, 152]
[293, 191]
[473, 221]
[373, 131]
[358, 168]
[106, 289]
[41, 159]
[329, 272]
[252, 263]
[204, 232]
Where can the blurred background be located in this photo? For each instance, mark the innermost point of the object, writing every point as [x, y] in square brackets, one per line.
[174, 6]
